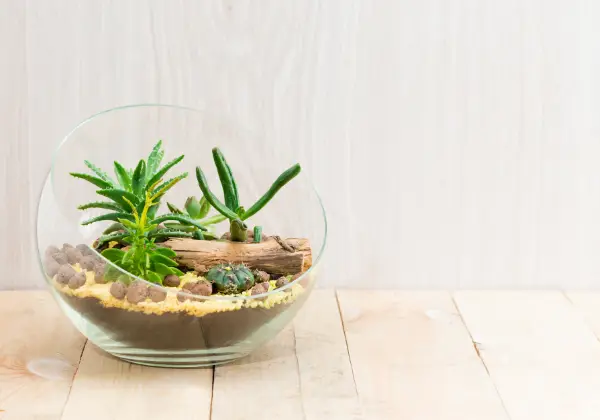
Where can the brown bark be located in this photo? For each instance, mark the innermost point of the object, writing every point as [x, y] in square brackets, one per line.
[267, 256]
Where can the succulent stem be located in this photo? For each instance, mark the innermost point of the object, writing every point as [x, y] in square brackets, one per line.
[283, 179]
[257, 234]
[238, 230]
[227, 181]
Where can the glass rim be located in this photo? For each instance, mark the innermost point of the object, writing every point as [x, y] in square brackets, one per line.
[50, 177]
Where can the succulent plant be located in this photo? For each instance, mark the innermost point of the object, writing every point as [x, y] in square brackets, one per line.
[232, 209]
[144, 258]
[131, 187]
[230, 278]
[198, 211]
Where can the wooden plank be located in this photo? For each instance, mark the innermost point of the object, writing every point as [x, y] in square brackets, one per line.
[541, 355]
[413, 358]
[303, 373]
[326, 378]
[262, 385]
[588, 304]
[39, 352]
[106, 388]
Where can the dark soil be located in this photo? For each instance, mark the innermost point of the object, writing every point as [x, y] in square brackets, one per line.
[181, 331]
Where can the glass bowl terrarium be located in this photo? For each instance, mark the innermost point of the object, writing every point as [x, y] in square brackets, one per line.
[163, 252]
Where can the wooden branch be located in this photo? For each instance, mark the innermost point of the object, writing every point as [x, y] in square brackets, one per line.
[268, 255]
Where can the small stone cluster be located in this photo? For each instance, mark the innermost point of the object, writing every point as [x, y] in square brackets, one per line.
[59, 262]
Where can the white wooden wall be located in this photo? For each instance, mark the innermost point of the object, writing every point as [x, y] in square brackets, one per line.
[456, 143]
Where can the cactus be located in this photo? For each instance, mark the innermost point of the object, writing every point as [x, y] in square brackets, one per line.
[231, 278]
[231, 209]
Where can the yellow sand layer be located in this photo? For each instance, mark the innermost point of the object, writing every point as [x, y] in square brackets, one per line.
[101, 292]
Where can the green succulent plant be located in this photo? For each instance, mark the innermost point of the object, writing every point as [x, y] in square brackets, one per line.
[131, 187]
[231, 278]
[232, 209]
[197, 210]
[144, 258]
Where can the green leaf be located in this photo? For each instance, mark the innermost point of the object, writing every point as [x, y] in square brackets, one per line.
[154, 159]
[173, 208]
[181, 218]
[153, 277]
[169, 233]
[123, 176]
[101, 174]
[198, 235]
[181, 227]
[113, 228]
[167, 252]
[115, 236]
[109, 216]
[128, 256]
[113, 255]
[283, 179]
[192, 206]
[89, 178]
[227, 181]
[211, 198]
[128, 224]
[204, 208]
[152, 211]
[177, 271]
[138, 181]
[167, 185]
[218, 218]
[100, 205]
[111, 273]
[161, 172]
[117, 195]
[158, 258]
[162, 269]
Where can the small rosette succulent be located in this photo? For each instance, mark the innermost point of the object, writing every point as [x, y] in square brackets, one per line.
[231, 278]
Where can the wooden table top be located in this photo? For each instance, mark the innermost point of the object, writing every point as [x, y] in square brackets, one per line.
[349, 355]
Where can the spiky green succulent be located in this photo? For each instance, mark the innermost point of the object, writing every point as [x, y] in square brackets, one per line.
[231, 278]
[232, 209]
[131, 187]
[143, 258]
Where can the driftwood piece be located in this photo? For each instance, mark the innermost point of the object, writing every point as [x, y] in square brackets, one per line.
[267, 256]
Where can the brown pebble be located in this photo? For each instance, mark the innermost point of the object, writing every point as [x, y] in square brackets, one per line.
[157, 294]
[200, 288]
[282, 281]
[67, 246]
[259, 288]
[84, 249]
[60, 258]
[77, 280]
[261, 276]
[118, 290]
[137, 291]
[99, 274]
[64, 274]
[73, 255]
[88, 263]
[171, 280]
[51, 250]
[52, 266]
